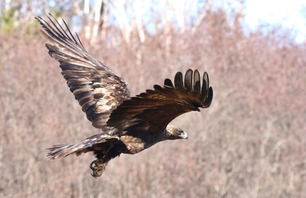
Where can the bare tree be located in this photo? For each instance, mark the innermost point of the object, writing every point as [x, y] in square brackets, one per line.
[250, 143]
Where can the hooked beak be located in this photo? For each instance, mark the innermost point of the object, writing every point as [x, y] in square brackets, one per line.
[184, 136]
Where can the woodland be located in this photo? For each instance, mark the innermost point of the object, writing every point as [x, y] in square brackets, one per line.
[251, 142]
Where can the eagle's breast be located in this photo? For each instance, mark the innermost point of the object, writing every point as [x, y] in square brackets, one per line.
[133, 144]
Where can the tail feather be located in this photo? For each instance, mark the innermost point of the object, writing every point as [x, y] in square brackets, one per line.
[101, 142]
[63, 150]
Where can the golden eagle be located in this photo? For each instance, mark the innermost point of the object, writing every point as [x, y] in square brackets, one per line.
[129, 124]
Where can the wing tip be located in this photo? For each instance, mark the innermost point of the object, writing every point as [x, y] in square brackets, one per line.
[194, 85]
[191, 82]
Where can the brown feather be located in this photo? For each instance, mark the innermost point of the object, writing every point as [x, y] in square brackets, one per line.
[101, 142]
[97, 89]
[131, 124]
[155, 109]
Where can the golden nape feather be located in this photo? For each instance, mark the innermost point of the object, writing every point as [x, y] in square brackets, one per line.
[129, 124]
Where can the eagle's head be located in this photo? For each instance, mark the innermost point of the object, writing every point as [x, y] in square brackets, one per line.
[174, 133]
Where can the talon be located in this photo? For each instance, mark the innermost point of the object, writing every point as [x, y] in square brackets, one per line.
[97, 167]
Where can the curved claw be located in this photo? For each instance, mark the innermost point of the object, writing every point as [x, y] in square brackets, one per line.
[97, 167]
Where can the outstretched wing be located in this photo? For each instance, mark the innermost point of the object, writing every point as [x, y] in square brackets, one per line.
[93, 84]
[154, 109]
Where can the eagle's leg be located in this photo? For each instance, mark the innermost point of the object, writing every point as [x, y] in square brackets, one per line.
[97, 167]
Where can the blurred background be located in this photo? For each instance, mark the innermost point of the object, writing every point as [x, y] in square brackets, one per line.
[251, 142]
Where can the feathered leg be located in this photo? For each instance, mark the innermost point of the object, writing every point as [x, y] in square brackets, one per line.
[104, 155]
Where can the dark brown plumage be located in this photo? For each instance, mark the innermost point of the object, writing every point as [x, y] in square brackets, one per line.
[129, 124]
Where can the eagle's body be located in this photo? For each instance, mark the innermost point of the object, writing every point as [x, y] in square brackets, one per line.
[129, 124]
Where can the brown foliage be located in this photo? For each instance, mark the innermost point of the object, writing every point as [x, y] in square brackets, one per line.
[249, 143]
